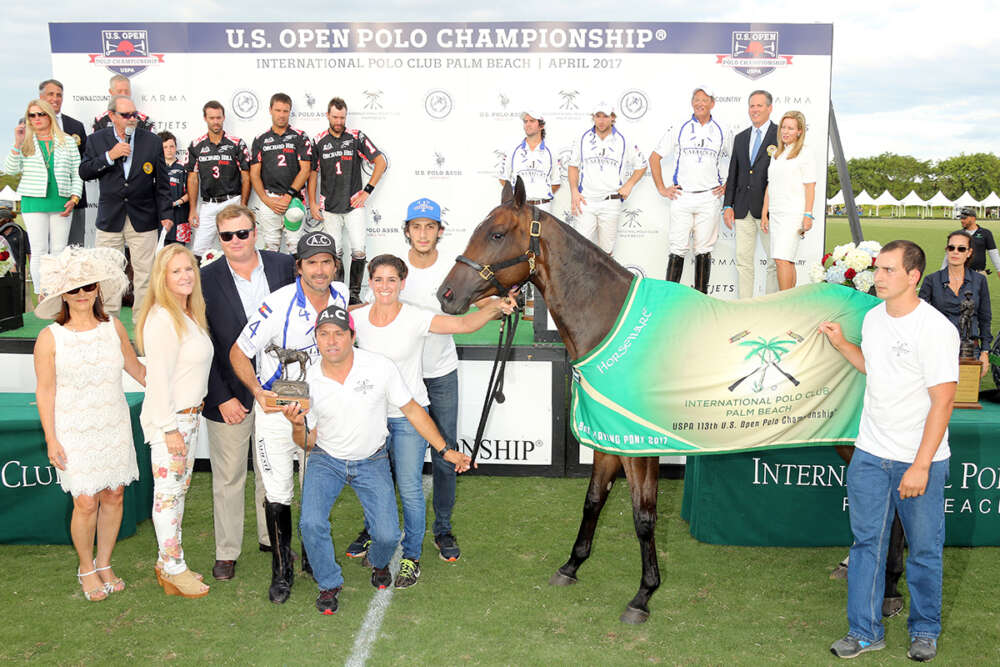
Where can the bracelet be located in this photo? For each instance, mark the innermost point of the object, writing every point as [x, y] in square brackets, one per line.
[171, 431]
[369, 188]
[808, 215]
[725, 207]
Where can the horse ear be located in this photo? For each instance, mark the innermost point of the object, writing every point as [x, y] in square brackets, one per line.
[519, 194]
[507, 194]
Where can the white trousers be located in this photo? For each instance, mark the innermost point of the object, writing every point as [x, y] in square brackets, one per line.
[276, 454]
[697, 215]
[48, 234]
[598, 221]
[206, 234]
[272, 229]
[355, 221]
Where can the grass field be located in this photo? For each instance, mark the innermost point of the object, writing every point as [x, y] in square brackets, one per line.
[716, 606]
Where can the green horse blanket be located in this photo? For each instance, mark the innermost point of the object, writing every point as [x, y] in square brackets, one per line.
[684, 373]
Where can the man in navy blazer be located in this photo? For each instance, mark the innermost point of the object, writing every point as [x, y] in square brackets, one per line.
[234, 286]
[135, 190]
[745, 187]
[51, 91]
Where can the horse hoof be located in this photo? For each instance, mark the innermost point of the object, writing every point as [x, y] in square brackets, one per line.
[634, 616]
[560, 579]
[891, 607]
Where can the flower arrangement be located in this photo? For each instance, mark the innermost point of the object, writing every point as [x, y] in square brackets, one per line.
[7, 263]
[210, 257]
[848, 264]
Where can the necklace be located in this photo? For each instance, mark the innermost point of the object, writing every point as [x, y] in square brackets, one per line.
[46, 151]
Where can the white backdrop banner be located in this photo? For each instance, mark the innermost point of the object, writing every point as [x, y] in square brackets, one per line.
[443, 100]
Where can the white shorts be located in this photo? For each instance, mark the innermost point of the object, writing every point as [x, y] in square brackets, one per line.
[276, 453]
[272, 229]
[699, 215]
[206, 235]
[598, 221]
[355, 221]
[783, 228]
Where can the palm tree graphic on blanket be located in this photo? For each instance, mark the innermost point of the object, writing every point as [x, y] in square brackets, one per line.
[768, 353]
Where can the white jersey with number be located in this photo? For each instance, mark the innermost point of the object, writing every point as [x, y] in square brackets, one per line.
[604, 164]
[537, 167]
[697, 155]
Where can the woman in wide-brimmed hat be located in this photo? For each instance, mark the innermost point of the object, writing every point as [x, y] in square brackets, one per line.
[81, 403]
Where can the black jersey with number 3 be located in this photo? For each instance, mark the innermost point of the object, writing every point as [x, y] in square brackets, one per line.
[219, 165]
[339, 162]
[278, 156]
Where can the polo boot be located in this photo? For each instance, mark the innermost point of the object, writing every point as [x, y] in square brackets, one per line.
[675, 267]
[702, 269]
[357, 275]
[339, 275]
[279, 529]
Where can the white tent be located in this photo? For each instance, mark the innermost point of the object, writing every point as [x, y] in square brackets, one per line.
[885, 199]
[965, 199]
[8, 194]
[863, 199]
[913, 199]
[991, 200]
[837, 199]
[939, 200]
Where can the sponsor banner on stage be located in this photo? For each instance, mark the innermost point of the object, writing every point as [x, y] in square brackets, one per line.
[443, 100]
[683, 373]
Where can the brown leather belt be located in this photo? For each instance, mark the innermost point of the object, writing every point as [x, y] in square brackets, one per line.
[614, 196]
[536, 202]
[196, 410]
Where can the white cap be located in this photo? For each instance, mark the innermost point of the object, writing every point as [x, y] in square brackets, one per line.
[604, 108]
[534, 113]
[705, 89]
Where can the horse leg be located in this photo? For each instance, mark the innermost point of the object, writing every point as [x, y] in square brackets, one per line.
[602, 477]
[643, 477]
[892, 603]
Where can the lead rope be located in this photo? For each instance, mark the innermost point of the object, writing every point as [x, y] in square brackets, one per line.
[494, 390]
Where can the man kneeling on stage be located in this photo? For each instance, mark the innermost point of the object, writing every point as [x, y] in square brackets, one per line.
[349, 392]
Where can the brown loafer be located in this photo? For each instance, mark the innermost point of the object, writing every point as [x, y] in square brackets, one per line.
[224, 569]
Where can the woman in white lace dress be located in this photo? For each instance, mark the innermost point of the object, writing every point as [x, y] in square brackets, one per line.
[172, 332]
[81, 403]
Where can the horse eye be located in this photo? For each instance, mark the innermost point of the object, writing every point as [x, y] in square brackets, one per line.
[498, 236]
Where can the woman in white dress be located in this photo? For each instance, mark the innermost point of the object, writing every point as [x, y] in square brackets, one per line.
[81, 403]
[788, 201]
[172, 332]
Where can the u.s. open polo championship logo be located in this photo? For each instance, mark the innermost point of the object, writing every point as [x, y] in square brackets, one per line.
[754, 53]
[125, 52]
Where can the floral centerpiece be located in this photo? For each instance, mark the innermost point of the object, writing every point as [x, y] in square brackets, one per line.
[848, 264]
[6, 260]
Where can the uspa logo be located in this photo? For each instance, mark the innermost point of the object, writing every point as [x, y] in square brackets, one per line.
[125, 52]
[754, 54]
[373, 100]
[438, 104]
[633, 104]
[245, 104]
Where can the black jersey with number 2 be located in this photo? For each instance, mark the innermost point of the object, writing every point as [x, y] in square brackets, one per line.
[278, 156]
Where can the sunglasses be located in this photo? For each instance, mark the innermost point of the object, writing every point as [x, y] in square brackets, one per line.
[37, 114]
[128, 114]
[241, 234]
[959, 248]
[86, 288]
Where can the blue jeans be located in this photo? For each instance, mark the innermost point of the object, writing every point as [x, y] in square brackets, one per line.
[325, 478]
[407, 450]
[443, 394]
[873, 495]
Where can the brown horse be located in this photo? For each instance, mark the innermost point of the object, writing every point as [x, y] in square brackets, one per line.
[584, 290]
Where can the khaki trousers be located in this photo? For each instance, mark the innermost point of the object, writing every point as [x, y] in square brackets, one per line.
[747, 230]
[228, 445]
[142, 248]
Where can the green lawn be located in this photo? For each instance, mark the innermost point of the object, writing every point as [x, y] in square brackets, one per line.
[716, 605]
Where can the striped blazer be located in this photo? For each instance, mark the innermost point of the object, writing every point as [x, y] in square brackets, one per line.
[35, 178]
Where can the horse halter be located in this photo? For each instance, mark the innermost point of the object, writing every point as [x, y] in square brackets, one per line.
[488, 272]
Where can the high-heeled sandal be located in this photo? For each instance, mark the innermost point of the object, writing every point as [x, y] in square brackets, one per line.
[158, 568]
[183, 584]
[92, 595]
[116, 585]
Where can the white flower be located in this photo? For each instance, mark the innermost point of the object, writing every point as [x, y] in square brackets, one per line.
[817, 273]
[858, 259]
[835, 274]
[864, 280]
[873, 248]
[841, 251]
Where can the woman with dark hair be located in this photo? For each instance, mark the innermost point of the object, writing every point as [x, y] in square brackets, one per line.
[946, 290]
[81, 403]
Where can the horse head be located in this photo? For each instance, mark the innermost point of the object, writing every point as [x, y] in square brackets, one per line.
[502, 252]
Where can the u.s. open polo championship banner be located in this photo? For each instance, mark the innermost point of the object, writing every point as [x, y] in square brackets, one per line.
[443, 100]
[683, 373]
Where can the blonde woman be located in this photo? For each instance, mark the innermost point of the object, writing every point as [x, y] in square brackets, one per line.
[48, 160]
[78, 363]
[173, 334]
[788, 201]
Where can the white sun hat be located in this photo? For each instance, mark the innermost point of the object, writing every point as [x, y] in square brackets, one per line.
[75, 267]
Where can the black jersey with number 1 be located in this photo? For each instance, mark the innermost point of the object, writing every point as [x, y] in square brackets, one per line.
[278, 156]
[219, 166]
[339, 162]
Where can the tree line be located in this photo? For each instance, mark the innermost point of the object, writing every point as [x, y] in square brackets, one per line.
[978, 173]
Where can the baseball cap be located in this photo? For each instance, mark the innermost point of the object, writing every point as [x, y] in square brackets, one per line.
[533, 112]
[967, 212]
[423, 208]
[294, 215]
[315, 243]
[337, 316]
[604, 108]
[705, 89]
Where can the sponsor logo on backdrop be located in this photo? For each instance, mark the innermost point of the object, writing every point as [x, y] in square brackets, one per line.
[569, 100]
[125, 52]
[91, 98]
[245, 104]
[16, 475]
[438, 104]
[379, 230]
[633, 104]
[565, 155]
[371, 104]
[309, 113]
[172, 125]
[372, 100]
[503, 450]
[754, 54]
[144, 99]
[632, 227]
[439, 168]
[503, 113]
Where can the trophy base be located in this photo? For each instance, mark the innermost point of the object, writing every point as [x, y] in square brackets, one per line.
[967, 393]
[282, 401]
[288, 392]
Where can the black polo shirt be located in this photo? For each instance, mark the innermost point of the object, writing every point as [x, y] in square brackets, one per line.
[278, 156]
[339, 161]
[219, 166]
[982, 241]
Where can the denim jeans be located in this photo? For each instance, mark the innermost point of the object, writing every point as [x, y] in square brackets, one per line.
[873, 495]
[443, 394]
[325, 479]
[407, 450]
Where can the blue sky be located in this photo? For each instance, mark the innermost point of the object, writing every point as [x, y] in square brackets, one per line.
[910, 78]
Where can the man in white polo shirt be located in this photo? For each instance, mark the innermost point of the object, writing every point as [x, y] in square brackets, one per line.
[533, 161]
[697, 152]
[598, 177]
[350, 390]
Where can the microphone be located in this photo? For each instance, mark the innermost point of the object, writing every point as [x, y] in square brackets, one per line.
[129, 130]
